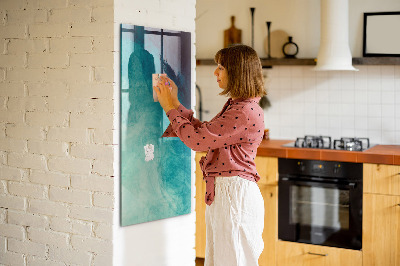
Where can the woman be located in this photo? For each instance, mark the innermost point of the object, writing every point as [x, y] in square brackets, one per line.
[235, 207]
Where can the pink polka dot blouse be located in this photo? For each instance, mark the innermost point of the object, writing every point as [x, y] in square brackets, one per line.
[231, 139]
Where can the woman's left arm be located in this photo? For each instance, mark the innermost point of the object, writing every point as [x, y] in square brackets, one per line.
[228, 129]
[166, 99]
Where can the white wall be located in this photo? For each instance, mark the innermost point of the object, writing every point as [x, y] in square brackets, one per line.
[337, 104]
[169, 241]
[299, 18]
[56, 120]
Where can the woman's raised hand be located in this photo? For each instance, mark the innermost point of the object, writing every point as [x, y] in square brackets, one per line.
[163, 90]
[174, 90]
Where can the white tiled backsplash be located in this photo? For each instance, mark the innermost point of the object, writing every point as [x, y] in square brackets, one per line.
[337, 104]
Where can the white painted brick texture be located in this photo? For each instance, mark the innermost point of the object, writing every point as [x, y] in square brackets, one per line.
[71, 44]
[72, 226]
[103, 231]
[29, 16]
[20, 46]
[56, 127]
[3, 215]
[27, 247]
[28, 219]
[49, 178]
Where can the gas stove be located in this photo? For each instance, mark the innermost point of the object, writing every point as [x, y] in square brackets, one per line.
[325, 142]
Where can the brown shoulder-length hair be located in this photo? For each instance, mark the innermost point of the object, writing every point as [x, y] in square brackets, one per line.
[245, 78]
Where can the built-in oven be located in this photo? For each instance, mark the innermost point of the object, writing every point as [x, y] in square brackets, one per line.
[320, 202]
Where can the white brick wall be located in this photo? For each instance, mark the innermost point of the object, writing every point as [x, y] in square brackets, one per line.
[28, 219]
[27, 247]
[56, 126]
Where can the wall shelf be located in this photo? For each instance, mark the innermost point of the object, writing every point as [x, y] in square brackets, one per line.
[376, 61]
[312, 61]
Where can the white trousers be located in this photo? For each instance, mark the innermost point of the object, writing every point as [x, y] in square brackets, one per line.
[234, 223]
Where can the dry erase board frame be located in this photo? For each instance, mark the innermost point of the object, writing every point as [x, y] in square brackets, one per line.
[381, 36]
[155, 172]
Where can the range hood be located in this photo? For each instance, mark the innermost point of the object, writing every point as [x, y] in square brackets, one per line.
[334, 51]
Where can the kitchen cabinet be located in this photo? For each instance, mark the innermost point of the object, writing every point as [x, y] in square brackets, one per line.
[381, 179]
[381, 215]
[381, 221]
[267, 167]
[270, 233]
[291, 253]
[381, 230]
[200, 209]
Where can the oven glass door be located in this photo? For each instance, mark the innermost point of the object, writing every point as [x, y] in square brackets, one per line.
[317, 207]
[322, 213]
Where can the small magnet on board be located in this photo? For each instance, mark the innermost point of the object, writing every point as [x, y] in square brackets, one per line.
[149, 152]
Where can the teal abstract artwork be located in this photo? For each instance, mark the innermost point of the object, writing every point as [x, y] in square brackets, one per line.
[155, 171]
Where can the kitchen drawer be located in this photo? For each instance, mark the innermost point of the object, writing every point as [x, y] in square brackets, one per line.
[381, 179]
[298, 254]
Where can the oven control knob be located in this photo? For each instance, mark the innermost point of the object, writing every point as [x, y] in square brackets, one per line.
[302, 167]
[336, 169]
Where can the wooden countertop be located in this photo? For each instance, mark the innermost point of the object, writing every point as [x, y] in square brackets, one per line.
[379, 154]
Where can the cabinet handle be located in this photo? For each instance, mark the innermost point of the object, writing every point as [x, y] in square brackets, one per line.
[318, 254]
[398, 204]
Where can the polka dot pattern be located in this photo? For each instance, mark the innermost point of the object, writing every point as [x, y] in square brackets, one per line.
[231, 139]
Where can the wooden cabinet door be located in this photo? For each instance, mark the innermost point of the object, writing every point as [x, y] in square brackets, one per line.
[381, 179]
[267, 168]
[270, 233]
[297, 254]
[381, 230]
[200, 209]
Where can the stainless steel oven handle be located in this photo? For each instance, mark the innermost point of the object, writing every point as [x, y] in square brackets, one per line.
[351, 185]
[318, 254]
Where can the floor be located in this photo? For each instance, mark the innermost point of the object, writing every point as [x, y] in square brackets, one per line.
[199, 262]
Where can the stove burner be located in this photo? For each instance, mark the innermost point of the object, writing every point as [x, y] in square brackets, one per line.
[324, 142]
[308, 141]
[351, 144]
